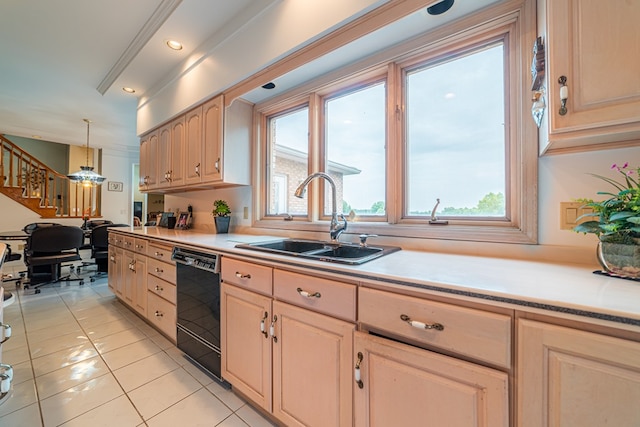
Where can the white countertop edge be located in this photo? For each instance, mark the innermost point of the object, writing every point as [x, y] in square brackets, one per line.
[562, 288]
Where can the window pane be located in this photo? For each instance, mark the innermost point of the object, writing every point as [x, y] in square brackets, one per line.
[288, 166]
[456, 136]
[355, 145]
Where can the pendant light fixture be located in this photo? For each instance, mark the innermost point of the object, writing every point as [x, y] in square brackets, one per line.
[86, 176]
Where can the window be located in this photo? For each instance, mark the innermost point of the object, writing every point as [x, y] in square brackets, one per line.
[288, 160]
[441, 122]
[455, 116]
[355, 129]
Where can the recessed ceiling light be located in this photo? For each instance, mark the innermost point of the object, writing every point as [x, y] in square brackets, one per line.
[175, 45]
[440, 7]
[129, 89]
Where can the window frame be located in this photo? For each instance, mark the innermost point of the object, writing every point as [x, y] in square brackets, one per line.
[520, 226]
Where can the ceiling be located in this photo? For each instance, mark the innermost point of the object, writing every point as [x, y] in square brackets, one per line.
[69, 59]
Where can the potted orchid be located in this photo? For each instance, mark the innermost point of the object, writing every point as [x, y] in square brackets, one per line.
[616, 222]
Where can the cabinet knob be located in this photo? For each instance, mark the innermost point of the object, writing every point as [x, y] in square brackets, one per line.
[159, 270]
[159, 288]
[158, 313]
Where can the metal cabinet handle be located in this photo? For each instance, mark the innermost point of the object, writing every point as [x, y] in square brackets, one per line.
[564, 95]
[158, 254]
[6, 376]
[112, 258]
[159, 313]
[217, 165]
[356, 375]
[159, 288]
[6, 332]
[272, 328]
[243, 275]
[263, 325]
[421, 325]
[307, 294]
[198, 169]
[159, 270]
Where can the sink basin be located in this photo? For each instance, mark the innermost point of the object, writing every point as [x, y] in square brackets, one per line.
[321, 251]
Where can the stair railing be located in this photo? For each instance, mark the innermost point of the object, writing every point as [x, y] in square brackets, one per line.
[35, 185]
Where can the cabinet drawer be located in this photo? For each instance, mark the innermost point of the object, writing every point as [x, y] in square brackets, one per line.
[116, 239]
[162, 253]
[475, 333]
[140, 245]
[162, 270]
[251, 276]
[162, 315]
[326, 296]
[162, 288]
[129, 242]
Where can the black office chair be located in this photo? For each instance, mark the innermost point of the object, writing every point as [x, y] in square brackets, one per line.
[100, 248]
[47, 249]
[88, 227]
[30, 228]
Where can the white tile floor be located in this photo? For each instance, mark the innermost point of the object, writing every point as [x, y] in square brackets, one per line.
[81, 358]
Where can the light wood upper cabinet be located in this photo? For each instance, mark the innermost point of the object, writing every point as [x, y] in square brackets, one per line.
[211, 157]
[206, 147]
[568, 377]
[596, 47]
[193, 143]
[148, 161]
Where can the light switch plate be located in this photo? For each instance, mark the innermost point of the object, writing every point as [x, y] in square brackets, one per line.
[570, 212]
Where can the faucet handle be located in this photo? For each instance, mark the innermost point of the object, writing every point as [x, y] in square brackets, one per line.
[364, 237]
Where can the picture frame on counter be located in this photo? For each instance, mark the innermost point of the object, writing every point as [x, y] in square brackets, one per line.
[184, 220]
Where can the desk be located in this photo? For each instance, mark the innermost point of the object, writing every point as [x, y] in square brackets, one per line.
[13, 235]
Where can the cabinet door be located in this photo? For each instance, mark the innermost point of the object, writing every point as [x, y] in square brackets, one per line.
[176, 155]
[193, 143]
[112, 270]
[118, 272]
[212, 117]
[148, 158]
[246, 343]
[164, 157]
[312, 352]
[568, 377]
[140, 284]
[129, 278]
[408, 386]
[597, 49]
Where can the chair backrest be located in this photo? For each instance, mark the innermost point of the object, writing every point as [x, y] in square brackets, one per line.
[90, 225]
[29, 228]
[100, 236]
[55, 239]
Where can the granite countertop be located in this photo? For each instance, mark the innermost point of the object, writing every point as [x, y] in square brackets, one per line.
[563, 288]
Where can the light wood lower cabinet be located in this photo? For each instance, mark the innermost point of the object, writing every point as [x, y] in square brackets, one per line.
[569, 377]
[408, 386]
[293, 362]
[246, 344]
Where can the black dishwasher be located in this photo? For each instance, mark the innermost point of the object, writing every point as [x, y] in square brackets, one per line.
[198, 307]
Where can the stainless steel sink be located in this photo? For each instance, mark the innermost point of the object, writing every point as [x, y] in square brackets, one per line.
[322, 251]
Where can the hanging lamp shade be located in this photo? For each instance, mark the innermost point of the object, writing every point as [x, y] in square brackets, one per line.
[86, 175]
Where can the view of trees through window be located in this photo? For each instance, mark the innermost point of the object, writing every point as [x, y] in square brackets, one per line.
[455, 148]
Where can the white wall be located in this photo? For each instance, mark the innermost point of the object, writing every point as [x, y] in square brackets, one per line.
[279, 30]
